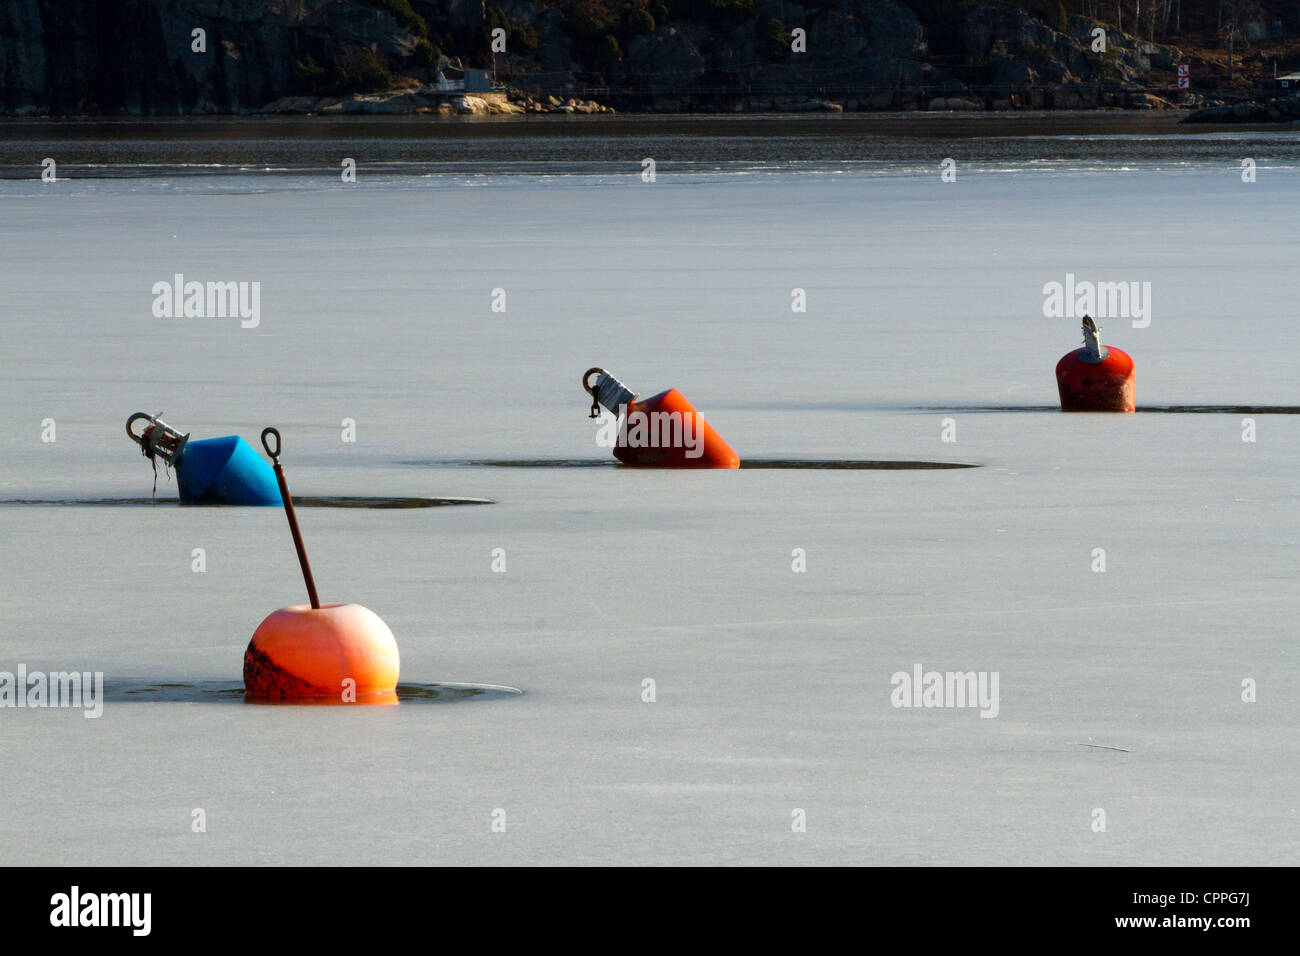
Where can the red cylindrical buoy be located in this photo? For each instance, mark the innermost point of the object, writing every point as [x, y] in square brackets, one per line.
[318, 653]
[1096, 378]
[664, 430]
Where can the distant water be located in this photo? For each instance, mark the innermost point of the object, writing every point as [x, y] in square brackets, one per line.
[587, 145]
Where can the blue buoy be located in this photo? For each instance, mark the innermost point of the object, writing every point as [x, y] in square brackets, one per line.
[215, 471]
[225, 471]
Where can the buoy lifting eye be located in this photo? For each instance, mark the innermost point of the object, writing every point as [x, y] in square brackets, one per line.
[267, 434]
[590, 389]
[606, 390]
[157, 439]
[1093, 351]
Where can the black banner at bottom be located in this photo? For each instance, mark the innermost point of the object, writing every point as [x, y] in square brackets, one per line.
[299, 905]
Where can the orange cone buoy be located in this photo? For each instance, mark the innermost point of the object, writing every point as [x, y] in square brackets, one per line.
[331, 653]
[1096, 378]
[664, 430]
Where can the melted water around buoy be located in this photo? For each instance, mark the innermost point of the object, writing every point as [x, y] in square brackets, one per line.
[810, 464]
[328, 501]
[1170, 409]
[143, 691]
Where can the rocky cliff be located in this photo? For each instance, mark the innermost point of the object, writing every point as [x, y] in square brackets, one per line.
[160, 57]
[143, 57]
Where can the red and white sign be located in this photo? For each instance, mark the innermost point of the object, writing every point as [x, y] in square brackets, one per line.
[1184, 76]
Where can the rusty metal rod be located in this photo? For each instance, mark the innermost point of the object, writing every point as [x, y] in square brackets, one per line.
[288, 510]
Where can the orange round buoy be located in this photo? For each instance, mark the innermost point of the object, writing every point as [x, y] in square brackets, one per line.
[1096, 378]
[664, 430]
[337, 653]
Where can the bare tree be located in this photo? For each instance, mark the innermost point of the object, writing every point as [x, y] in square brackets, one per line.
[1230, 29]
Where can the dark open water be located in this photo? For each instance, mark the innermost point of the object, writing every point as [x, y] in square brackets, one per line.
[419, 145]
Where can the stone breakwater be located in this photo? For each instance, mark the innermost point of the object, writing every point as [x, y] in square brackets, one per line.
[518, 103]
[1281, 109]
[431, 102]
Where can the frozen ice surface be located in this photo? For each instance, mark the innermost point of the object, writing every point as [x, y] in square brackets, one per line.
[773, 687]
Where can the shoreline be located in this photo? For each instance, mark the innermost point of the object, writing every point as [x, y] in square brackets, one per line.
[359, 116]
[1271, 112]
